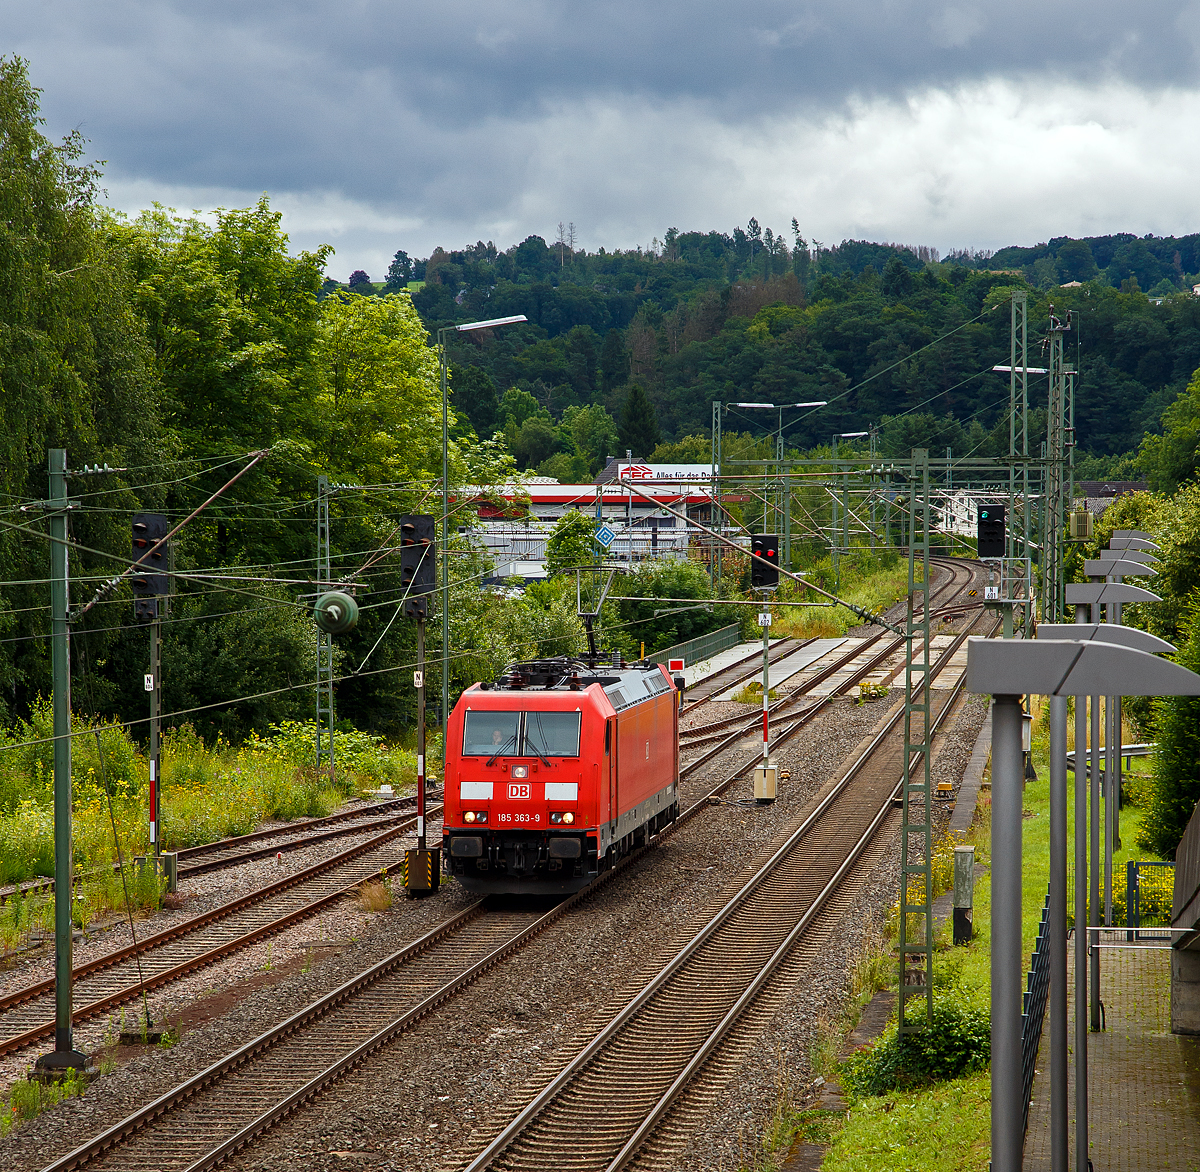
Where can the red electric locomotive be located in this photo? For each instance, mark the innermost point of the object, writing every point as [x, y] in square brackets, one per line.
[555, 771]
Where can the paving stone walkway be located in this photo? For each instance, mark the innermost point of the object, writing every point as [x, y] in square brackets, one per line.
[1143, 1081]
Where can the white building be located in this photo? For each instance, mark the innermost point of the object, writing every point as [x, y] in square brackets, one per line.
[515, 534]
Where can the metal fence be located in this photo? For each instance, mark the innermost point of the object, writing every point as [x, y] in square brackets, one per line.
[702, 647]
[1149, 887]
[1185, 906]
[1033, 1007]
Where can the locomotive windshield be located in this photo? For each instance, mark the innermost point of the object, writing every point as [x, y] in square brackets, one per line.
[486, 733]
[551, 734]
[521, 734]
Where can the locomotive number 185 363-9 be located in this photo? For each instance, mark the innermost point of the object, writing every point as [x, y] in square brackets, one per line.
[520, 817]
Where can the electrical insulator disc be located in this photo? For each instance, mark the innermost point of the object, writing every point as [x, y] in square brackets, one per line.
[336, 613]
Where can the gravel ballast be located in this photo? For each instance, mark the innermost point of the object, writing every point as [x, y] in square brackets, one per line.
[431, 1096]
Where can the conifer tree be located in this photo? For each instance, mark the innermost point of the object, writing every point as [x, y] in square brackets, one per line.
[640, 433]
[614, 361]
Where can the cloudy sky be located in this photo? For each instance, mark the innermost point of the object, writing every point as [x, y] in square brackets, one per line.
[376, 126]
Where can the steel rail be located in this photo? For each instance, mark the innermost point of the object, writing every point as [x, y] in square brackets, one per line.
[777, 651]
[300, 827]
[134, 989]
[677, 963]
[239, 1058]
[139, 1119]
[807, 685]
[654, 1117]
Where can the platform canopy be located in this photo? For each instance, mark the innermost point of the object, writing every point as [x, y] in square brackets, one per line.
[1097, 593]
[1066, 667]
[1107, 633]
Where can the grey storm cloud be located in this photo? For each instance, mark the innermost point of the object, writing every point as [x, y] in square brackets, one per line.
[459, 113]
[366, 97]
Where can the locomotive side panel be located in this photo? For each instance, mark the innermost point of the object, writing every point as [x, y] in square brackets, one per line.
[647, 762]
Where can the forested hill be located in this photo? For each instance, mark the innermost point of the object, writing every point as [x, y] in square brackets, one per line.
[751, 315]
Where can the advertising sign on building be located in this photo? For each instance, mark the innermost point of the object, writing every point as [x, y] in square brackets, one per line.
[671, 473]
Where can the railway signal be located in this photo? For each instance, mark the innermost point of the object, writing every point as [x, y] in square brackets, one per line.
[418, 560]
[764, 565]
[989, 531]
[149, 554]
[420, 869]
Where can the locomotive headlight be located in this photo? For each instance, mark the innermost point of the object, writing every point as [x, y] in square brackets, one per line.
[469, 816]
[520, 771]
[568, 817]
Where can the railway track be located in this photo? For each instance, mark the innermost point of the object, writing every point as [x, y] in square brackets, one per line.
[202, 1122]
[747, 724]
[118, 977]
[606, 1104]
[738, 672]
[230, 852]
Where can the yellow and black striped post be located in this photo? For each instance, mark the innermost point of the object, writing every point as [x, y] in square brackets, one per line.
[420, 871]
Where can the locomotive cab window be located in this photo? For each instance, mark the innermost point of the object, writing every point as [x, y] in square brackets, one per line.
[521, 734]
[551, 734]
[485, 733]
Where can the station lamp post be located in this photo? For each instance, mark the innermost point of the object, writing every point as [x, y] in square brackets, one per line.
[442, 333]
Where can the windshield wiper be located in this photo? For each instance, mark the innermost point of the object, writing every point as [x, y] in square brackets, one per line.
[511, 740]
[533, 743]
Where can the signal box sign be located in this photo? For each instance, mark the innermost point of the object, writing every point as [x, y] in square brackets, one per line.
[674, 665]
[518, 791]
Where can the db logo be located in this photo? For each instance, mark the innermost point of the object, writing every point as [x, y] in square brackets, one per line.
[518, 791]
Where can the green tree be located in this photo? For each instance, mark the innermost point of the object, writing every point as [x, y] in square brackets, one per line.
[475, 393]
[378, 410]
[581, 355]
[689, 449]
[594, 433]
[233, 319]
[399, 273]
[76, 371]
[571, 542]
[1173, 458]
[517, 405]
[1075, 261]
[534, 441]
[256, 648]
[640, 433]
[1173, 793]
[663, 624]
[614, 362]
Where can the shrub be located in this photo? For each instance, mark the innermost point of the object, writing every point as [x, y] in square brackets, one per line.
[957, 1042]
[1170, 799]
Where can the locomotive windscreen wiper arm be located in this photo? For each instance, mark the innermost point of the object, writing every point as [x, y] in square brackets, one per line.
[511, 741]
[530, 741]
